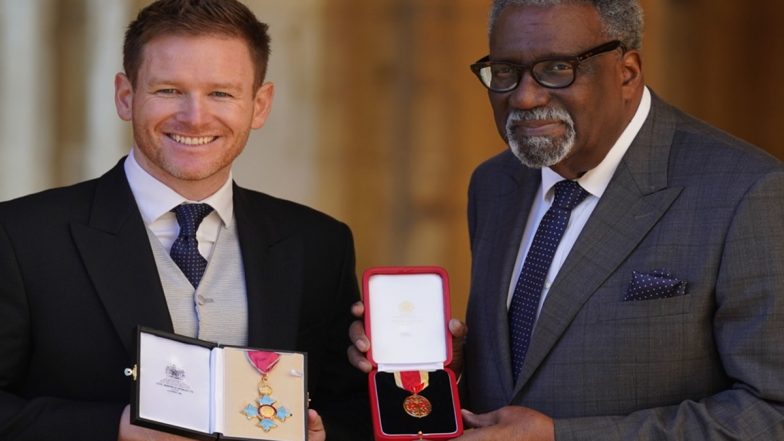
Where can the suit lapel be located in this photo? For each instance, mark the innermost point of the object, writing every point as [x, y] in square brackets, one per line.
[513, 204]
[116, 253]
[274, 271]
[633, 203]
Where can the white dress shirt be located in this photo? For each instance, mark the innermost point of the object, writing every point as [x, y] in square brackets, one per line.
[155, 201]
[594, 181]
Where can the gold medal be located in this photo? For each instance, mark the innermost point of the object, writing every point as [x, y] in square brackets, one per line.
[265, 410]
[414, 405]
[417, 406]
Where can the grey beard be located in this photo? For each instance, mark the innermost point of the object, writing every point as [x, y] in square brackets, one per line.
[540, 151]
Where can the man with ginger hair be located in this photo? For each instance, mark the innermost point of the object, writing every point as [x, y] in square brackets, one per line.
[167, 240]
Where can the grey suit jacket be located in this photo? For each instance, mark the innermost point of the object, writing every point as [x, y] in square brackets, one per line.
[703, 361]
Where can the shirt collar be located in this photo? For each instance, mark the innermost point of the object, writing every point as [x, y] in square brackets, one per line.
[155, 199]
[596, 180]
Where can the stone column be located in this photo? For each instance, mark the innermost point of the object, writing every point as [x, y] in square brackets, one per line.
[282, 157]
[26, 115]
[107, 137]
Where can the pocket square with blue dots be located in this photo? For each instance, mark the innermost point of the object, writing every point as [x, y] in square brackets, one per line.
[658, 284]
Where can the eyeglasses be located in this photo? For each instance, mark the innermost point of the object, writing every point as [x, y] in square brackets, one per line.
[553, 73]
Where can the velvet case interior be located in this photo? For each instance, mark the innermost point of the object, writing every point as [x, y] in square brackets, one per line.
[395, 420]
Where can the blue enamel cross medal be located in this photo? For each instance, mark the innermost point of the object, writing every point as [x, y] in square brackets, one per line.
[265, 409]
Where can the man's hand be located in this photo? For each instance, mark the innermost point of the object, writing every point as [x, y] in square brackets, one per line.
[129, 432]
[510, 423]
[356, 332]
[459, 330]
[316, 430]
[357, 352]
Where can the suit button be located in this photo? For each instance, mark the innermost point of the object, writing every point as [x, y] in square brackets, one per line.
[201, 300]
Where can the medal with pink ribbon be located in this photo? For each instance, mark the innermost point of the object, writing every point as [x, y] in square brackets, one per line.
[265, 409]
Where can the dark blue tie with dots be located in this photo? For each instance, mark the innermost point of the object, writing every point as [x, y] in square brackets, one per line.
[525, 300]
[185, 249]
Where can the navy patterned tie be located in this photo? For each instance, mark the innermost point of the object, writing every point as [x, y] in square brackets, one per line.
[185, 249]
[525, 300]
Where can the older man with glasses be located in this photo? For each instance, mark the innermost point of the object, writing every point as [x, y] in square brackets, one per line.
[628, 259]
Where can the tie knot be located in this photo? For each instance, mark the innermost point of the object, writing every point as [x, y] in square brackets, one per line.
[568, 194]
[189, 216]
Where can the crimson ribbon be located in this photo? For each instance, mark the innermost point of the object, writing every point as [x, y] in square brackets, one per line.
[263, 361]
[412, 381]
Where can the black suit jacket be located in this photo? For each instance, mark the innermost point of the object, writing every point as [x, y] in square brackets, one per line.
[77, 275]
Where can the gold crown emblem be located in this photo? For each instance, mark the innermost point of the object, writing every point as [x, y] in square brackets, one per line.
[406, 307]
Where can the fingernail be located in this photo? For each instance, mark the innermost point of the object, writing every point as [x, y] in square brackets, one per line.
[362, 345]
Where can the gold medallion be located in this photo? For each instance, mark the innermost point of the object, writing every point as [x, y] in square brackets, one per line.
[417, 406]
[415, 382]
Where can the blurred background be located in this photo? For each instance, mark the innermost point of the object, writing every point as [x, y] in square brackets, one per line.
[377, 119]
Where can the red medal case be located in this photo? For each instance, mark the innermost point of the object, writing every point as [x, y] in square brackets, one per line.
[406, 320]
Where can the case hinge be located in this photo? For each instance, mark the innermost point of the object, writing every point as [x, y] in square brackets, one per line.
[131, 372]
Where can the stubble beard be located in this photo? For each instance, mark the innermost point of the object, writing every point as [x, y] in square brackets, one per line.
[540, 151]
[165, 166]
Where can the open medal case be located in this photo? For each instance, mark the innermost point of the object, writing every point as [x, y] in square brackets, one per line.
[413, 396]
[203, 390]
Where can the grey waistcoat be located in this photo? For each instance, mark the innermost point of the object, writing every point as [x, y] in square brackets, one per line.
[218, 310]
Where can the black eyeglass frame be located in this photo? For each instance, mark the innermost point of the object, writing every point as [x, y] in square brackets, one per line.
[574, 61]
